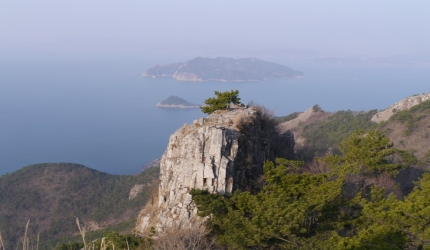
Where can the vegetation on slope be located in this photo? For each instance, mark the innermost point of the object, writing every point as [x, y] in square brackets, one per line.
[346, 207]
[322, 137]
[281, 119]
[350, 199]
[409, 130]
[411, 117]
[51, 196]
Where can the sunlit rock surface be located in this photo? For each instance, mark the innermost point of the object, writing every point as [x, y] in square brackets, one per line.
[220, 153]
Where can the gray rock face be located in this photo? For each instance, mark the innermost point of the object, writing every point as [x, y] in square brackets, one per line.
[221, 153]
[404, 104]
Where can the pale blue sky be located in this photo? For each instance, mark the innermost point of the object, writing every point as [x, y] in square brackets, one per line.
[373, 27]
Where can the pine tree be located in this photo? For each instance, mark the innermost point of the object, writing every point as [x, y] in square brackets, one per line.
[221, 101]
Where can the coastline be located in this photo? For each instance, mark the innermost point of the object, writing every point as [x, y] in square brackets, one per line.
[180, 106]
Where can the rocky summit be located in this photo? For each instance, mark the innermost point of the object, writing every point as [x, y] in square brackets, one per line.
[221, 153]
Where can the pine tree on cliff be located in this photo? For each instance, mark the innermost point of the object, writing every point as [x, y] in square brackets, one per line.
[221, 101]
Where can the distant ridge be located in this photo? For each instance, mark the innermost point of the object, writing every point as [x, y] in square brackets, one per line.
[50, 195]
[223, 69]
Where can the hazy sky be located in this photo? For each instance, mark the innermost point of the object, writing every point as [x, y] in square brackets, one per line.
[372, 27]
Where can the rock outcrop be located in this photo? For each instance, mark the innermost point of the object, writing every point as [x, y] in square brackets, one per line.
[221, 153]
[404, 104]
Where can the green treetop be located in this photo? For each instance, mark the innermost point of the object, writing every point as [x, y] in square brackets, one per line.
[364, 153]
[221, 101]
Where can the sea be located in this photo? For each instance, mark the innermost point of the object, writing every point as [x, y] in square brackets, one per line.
[100, 112]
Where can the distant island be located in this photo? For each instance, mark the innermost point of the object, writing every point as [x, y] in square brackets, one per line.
[223, 69]
[176, 102]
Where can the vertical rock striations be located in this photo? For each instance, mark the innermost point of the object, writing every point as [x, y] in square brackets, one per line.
[221, 153]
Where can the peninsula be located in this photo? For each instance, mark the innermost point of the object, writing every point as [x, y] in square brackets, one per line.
[223, 69]
[176, 102]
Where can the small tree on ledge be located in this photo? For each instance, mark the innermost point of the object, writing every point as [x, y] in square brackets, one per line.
[221, 101]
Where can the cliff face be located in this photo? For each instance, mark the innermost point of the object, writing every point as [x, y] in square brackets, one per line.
[221, 153]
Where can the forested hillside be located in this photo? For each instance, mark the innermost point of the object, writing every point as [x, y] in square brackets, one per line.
[51, 196]
[352, 202]
[353, 184]
[321, 133]
[323, 136]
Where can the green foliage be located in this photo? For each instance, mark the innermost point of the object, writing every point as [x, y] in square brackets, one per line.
[364, 153]
[407, 158]
[70, 246]
[51, 195]
[297, 210]
[114, 240]
[221, 101]
[372, 226]
[389, 223]
[289, 117]
[414, 214]
[316, 108]
[289, 206]
[427, 156]
[110, 240]
[326, 135]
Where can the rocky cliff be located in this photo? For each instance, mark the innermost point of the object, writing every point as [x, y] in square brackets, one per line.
[221, 153]
[404, 104]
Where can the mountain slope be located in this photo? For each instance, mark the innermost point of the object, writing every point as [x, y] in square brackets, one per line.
[410, 130]
[52, 195]
[408, 127]
[318, 132]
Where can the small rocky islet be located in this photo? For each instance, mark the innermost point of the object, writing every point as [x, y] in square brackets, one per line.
[176, 102]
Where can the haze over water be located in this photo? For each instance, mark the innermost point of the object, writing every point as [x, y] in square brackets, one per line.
[71, 88]
[102, 113]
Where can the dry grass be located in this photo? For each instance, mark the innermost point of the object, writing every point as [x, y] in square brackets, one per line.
[267, 116]
[241, 121]
[1, 243]
[196, 238]
[385, 181]
[418, 139]
[151, 209]
[317, 166]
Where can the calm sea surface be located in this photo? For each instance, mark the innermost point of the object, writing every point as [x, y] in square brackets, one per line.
[101, 113]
